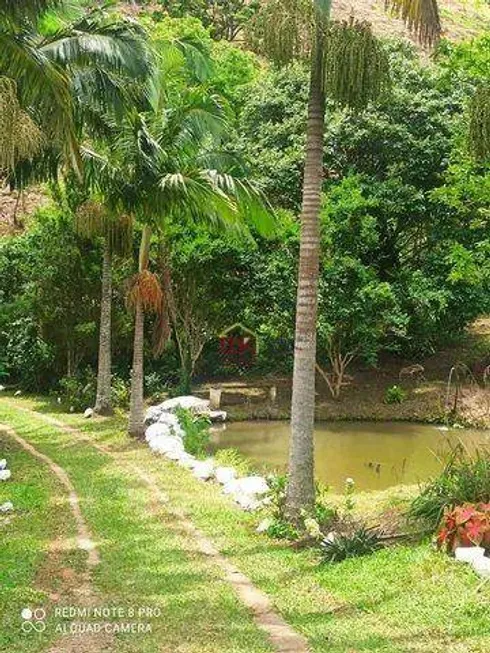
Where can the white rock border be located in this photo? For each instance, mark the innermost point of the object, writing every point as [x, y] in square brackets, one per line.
[165, 435]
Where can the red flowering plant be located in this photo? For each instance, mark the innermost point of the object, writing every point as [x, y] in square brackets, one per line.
[466, 525]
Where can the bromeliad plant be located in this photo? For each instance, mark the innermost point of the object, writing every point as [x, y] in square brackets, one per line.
[466, 525]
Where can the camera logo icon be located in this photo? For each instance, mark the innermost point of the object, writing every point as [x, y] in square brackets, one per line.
[33, 620]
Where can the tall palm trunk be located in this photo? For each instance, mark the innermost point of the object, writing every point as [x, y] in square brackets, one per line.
[301, 487]
[136, 425]
[103, 404]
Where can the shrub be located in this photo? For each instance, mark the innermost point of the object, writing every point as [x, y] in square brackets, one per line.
[464, 479]
[466, 525]
[120, 392]
[395, 395]
[154, 384]
[314, 524]
[78, 392]
[355, 542]
[197, 434]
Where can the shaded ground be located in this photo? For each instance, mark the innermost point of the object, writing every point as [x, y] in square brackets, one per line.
[407, 599]
[364, 399]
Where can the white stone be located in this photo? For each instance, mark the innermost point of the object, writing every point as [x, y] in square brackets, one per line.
[482, 566]
[247, 502]
[264, 525]
[252, 485]
[2, 388]
[152, 414]
[156, 430]
[17, 393]
[5, 474]
[186, 460]
[172, 421]
[194, 404]
[468, 553]
[88, 412]
[230, 487]
[217, 415]
[7, 506]
[3, 463]
[166, 444]
[203, 470]
[225, 474]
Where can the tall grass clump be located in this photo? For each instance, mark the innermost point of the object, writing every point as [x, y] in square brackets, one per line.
[464, 479]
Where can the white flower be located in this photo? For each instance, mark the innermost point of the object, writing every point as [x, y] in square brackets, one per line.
[350, 482]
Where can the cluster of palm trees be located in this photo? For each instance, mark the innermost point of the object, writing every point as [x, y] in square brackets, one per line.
[135, 151]
[94, 103]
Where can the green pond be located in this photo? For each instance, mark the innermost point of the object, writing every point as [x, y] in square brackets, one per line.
[376, 455]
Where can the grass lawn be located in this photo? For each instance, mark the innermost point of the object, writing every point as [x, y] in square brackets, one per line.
[398, 600]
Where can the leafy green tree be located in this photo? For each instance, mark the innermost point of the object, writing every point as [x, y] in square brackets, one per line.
[225, 18]
[348, 65]
[50, 284]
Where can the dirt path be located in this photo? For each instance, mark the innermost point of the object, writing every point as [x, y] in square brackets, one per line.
[72, 582]
[281, 635]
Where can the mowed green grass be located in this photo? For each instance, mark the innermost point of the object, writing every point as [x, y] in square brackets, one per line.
[403, 599]
[146, 561]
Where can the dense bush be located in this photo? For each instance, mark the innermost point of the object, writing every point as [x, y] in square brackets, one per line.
[197, 435]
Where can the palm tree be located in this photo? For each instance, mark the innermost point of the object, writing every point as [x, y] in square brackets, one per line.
[56, 75]
[164, 166]
[348, 65]
[94, 220]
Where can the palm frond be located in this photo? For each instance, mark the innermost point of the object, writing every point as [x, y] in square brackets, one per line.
[20, 10]
[116, 46]
[420, 16]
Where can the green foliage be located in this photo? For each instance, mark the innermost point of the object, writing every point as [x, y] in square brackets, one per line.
[28, 357]
[360, 541]
[120, 392]
[50, 290]
[78, 392]
[225, 18]
[197, 435]
[464, 479]
[395, 395]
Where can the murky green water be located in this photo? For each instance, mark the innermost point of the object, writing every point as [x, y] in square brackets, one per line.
[375, 455]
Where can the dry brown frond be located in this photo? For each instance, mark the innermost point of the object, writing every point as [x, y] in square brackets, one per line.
[145, 288]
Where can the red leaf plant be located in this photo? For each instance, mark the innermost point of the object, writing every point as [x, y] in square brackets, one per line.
[466, 525]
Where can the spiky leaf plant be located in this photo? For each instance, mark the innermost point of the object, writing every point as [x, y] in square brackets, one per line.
[479, 128]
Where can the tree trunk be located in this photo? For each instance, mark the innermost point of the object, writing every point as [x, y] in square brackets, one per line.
[136, 427]
[136, 409]
[301, 484]
[103, 405]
